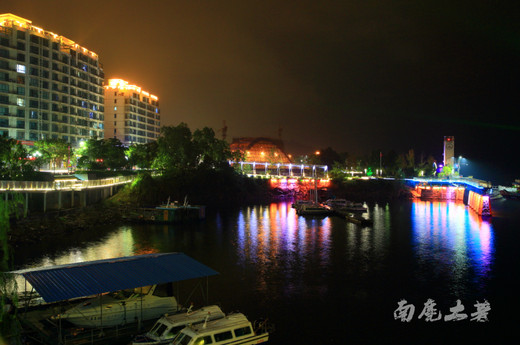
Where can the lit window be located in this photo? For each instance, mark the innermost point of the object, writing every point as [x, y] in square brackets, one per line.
[20, 102]
[115, 108]
[20, 68]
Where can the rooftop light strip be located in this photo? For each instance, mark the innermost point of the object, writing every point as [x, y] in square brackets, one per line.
[121, 84]
[9, 19]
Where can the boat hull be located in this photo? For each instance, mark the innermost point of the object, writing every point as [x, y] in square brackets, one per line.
[118, 313]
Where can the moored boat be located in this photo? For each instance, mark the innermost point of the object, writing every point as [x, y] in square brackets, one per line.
[336, 203]
[358, 220]
[121, 308]
[299, 203]
[232, 329]
[314, 210]
[168, 326]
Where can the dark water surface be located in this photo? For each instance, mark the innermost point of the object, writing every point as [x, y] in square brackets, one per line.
[327, 281]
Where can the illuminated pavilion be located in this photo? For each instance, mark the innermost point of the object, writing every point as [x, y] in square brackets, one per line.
[261, 150]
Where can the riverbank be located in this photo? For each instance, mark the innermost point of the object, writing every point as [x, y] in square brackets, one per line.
[93, 219]
[45, 226]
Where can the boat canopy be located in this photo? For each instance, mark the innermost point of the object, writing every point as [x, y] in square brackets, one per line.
[58, 283]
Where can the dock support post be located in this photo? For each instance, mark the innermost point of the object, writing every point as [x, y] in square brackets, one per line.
[26, 205]
[45, 202]
[83, 198]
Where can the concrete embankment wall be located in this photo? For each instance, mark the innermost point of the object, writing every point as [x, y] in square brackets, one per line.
[479, 203]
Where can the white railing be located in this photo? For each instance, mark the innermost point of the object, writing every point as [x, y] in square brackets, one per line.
[281, 169]
[63, 185]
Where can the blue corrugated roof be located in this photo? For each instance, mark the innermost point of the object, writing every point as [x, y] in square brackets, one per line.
[58, 283]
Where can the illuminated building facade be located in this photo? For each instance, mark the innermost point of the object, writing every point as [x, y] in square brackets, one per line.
[260, 150]
[50, 87]
[449, 151]
[131, 114]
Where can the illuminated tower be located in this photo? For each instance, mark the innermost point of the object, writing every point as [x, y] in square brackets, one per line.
[449, 150]
[50, 87]
[131, 114]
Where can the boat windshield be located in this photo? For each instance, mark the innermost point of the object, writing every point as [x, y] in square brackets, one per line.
[158, 329]
[182, 339]
[122, 294]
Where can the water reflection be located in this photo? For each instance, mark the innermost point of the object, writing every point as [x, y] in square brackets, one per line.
[452, 241]
[274, 239]
[367, 246]
[277, 254]
[117, 244]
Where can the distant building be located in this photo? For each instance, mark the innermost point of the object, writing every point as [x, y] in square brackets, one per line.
[50, 87]
[449, 151]
[260, 150]
[132, 115]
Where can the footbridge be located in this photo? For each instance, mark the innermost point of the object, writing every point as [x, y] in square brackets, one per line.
[295, 180]
[282, 170]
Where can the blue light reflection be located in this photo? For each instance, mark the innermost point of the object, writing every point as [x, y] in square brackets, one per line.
[452, 241]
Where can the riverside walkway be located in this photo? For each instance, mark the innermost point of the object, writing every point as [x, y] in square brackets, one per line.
[62, 193]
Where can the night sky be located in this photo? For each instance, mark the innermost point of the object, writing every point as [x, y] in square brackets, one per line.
[353, 75]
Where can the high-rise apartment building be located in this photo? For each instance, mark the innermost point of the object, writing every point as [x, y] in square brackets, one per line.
[50, 87]
[132, 115]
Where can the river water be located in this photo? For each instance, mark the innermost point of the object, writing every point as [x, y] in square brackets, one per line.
[327, 281]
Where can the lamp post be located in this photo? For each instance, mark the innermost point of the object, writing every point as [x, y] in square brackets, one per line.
[458, 164]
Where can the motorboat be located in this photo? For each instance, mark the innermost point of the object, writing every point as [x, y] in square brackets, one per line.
[314, 210]
[232, 329]
[299, 203]
[510, 195]
[356, 219]
[168, 326]
[337, 203]
[120, 308]
[354, 207]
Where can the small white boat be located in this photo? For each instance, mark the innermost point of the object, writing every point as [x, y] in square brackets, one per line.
[232, 329]
[168, 326]
[336, 203]
[117, 309]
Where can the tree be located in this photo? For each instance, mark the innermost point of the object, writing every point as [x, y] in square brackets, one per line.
[338, 171]
[446, 171]
[14, 161]
[210, 151]
[114, 153]
[142, 155]
[102, 154]
[178, 149]
[174, 148]
[51, 151]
